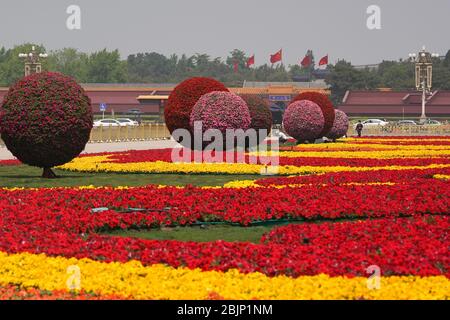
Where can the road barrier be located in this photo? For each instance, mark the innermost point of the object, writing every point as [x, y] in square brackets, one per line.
[143, 132]
[395, 130]
[158, 131]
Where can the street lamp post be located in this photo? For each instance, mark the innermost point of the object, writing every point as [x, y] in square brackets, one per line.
[424, 74]
[32, 61]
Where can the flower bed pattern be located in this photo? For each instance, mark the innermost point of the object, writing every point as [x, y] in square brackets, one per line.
[391, 212]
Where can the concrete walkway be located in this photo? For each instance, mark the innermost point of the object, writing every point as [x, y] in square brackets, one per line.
[110, 147]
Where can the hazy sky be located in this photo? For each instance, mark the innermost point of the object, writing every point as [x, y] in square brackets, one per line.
[215, 27]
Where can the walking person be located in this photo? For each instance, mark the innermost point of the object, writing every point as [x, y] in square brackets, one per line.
[359, 128]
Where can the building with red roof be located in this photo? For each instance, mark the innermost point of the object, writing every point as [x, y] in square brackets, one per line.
[386, 103]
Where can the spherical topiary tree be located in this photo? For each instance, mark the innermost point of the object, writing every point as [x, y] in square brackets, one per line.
[340, 126]
[260, 114]
[183, 98]
[221, 110]
[303, 120]
[45, 120]
[325, 105]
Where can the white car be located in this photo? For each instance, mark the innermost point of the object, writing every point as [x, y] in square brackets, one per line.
[107, 123]
[430, 122]
[406, 123]
[127, 122]
[373, 123]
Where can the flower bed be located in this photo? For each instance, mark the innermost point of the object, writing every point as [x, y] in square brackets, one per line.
[389, 212]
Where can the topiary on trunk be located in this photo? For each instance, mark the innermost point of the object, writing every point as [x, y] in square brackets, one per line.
[260, 114]
[178, 109]
[325, 105]
[45, 120]
[303, 120]
[340, 126]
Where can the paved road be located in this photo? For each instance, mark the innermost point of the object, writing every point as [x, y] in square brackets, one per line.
[114, 146]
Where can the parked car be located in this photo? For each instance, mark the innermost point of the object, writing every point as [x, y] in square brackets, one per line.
[373, 123]
[406, 123]
[107, 123]
[430, 122]
[127, 122]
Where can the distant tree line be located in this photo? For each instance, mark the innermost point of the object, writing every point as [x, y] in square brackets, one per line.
[107, 67]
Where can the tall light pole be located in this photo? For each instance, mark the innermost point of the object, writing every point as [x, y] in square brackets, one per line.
[424, 75]
[32, 61]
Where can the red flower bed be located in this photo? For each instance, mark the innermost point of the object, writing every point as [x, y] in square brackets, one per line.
[405, 143]
[190, 204]
[395, 176]
[165, 155]
[416, 246]
[396, 246]
[14, 292]
[10, 162]
[362, 162]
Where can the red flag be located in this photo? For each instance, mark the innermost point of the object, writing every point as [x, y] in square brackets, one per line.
[306, 62]
[276, 57]
[251, 61]
[235, 66]
[323, 61]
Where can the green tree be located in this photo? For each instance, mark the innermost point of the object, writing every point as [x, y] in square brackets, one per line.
[239, 57]
[397, 75]
[106, 67]
[12, 67]
[69, 61]
[344, 77]
[150, 67]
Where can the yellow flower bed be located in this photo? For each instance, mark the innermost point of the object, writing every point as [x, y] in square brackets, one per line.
[133, 280]
[442, 176]
[101, 164]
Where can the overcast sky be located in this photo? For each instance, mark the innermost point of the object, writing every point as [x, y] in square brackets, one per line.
[215, 27]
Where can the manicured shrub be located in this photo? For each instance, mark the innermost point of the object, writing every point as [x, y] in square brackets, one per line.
[221, 110]
[340, 126]
[178, 109]
[325, 105]
[261, 117]
[46, 120]
[303, 120]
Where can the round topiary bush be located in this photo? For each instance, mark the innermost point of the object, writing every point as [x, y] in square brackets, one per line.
[46, 120]
[178, 109]
[303, 120]
[325, 105]
[221, 110]
[261, 117]
[340, 126]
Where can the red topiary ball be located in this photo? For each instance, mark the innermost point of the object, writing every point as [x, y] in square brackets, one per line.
[340, 126]
[303, 120]
[46, 119]
[178, 109]
[325, 105]
[261, 117]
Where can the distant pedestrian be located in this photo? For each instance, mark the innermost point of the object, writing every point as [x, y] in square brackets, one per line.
[359, 128]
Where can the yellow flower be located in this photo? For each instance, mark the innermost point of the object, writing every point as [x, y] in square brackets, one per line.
[133, 280]
[101, 164]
